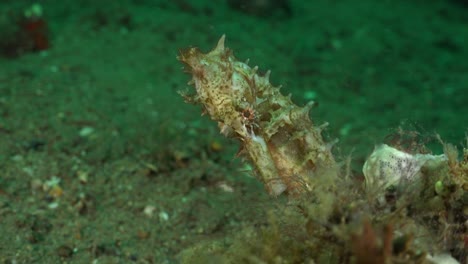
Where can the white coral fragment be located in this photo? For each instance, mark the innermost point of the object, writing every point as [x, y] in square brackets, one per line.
[388, 166]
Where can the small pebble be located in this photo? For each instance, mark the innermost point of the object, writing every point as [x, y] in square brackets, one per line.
[149, 210]
[163, 216]
[86, 131]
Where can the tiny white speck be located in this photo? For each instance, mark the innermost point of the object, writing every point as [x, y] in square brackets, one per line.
[86, 131]
[163, 216]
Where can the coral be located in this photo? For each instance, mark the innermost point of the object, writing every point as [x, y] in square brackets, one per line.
[23, 33]
[35, 26]
[277, 136]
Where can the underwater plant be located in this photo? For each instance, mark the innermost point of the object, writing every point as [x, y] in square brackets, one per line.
[412, 209]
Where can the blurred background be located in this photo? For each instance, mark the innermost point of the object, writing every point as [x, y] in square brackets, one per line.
[102, 159]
